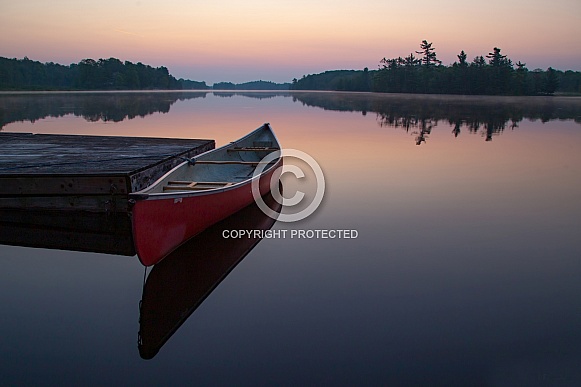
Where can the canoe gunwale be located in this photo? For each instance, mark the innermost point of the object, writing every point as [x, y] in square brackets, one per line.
[145, 195]
[209, 191]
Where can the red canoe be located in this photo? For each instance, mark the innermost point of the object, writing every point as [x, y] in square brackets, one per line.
[179, 284]
[200, 192]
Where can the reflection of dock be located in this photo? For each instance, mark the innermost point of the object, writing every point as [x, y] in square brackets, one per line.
[99, 232]
[93, 173]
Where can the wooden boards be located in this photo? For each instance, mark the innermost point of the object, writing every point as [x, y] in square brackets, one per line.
[89, 173]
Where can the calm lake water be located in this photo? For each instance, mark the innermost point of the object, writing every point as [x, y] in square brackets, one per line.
[466, 269]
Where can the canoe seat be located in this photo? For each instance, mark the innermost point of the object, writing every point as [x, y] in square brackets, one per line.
[228, 162]
[262, 144]
[253, 149]
[195, 185]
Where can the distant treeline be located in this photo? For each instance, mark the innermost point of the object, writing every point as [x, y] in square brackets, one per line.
[88, 74]
[106, 74]
[336, 80]
[493, 74]
[193, 85]
[254, 85]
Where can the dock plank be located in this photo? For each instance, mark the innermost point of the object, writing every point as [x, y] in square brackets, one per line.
[88, 172]
[25, 153]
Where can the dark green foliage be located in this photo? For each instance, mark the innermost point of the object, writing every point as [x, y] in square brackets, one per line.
[254, 85]
[462, 59]
[499, 72]
[88, 74]
[224, 86]
[338, 80]
[32, 75]
[551, 81]
[497, 77]
[496, 59]
[493, 74]
[428, 54]
[192, 85]
[569, 81]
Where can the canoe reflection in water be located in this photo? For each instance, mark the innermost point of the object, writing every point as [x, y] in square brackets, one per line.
[176, 286]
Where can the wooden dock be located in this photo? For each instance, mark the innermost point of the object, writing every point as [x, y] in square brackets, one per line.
[84, 173]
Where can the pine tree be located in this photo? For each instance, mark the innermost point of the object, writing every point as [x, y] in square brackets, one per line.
[462, 59]
[496, 59]
[551, 81]
[429, 54]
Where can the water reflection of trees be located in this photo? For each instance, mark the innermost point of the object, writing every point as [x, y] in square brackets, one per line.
[420, 114]
[93, 107]
[106, 107]
[252, 94]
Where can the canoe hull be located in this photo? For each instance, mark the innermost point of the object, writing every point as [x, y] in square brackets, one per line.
[179, 284]
[160, 225]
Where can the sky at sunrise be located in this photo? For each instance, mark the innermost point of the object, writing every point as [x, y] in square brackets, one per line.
[239, 41]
